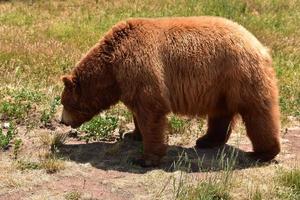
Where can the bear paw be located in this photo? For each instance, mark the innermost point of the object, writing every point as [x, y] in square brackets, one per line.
[133, 135]
[261, 157]
[206, 142]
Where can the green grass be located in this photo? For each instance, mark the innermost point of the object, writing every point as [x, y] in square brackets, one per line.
[256, 195]
[17, 17]
[211, 185]
[42, 40]
[210, 189]
[290, 180]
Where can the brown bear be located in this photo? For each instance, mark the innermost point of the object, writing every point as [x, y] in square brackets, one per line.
[195, 66]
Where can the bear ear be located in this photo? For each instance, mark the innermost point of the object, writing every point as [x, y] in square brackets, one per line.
[68, 81]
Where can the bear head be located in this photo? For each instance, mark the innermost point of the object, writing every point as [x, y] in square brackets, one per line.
[82, 99]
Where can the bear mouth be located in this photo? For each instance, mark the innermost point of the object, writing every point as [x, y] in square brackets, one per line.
[73, 125]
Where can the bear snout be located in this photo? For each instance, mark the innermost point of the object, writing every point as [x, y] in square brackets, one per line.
[66, 119]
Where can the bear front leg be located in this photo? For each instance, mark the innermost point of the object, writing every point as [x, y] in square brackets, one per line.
[152, 128]
[136, 133]
[218, 132]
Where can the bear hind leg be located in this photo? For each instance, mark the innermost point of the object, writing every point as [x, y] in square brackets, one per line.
[263, 129]
[136, 133]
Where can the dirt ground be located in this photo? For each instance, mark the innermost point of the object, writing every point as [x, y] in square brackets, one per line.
[103, 170]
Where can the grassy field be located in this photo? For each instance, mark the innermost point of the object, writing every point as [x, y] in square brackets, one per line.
[42, 40]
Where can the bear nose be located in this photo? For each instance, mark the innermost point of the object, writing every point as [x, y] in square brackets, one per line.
[62, 121]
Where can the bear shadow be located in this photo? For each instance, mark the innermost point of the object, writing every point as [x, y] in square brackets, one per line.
[119, 156]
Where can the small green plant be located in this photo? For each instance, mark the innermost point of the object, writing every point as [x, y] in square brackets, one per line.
[177, 125]
[74, 195]
[48, 114]
[17, 146]
[5, 139]
[26, 94]
[99, 127]
[27, 165]
[14, 109]
[50, 164]
[18, 103]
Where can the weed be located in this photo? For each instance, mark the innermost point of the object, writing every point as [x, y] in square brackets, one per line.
[49, 156]
[123, 114]
[58, 140]
[48, 114]
[99, 127]
[5, 139]
[14, 110]
[52, 141]
[45, 139]
[177, 124]
[17, 147]
[27, 165]
[18, 103]
[52, 165]
[25, 94]
[74, 195]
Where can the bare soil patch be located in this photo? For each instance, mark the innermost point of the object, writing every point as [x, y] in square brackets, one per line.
[103, 170]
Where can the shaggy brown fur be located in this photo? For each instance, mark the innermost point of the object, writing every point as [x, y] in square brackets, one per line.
[190, 66]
